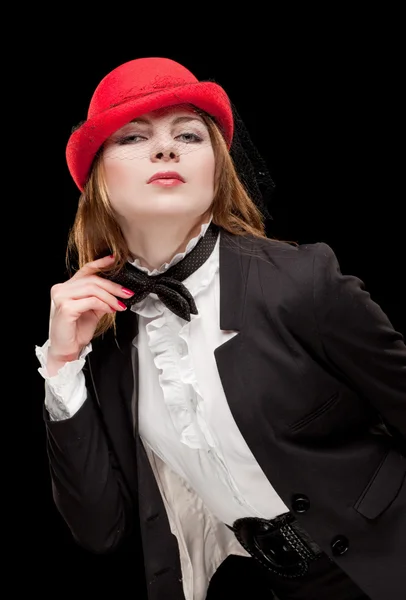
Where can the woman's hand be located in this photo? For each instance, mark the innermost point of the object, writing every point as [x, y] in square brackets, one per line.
[77, 306]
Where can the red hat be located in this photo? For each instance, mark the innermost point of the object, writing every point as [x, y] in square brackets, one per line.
[133, 89]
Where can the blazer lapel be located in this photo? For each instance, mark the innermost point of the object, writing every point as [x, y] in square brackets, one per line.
[234, 268]
[235, 261]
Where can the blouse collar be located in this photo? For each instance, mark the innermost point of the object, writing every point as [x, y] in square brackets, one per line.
[178, 257]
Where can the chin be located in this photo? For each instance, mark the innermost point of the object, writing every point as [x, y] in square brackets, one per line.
[176, 206]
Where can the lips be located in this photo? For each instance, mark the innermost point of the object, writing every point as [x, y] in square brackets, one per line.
[166, 175]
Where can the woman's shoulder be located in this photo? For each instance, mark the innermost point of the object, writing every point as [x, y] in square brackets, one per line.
[291, 256]
[294, 275]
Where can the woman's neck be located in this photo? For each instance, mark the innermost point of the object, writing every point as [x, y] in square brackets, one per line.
[157, 242]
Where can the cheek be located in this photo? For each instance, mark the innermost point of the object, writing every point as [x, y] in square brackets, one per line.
[205, 171]
[120, 172]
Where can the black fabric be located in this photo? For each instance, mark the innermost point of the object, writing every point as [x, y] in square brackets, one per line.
[267, 291]
[285, 557]
[251, 167]
[167, 286]
[241, 578]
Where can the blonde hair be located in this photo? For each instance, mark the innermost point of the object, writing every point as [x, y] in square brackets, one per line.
[96, 233]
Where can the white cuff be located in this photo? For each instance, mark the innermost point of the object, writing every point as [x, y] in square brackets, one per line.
[65, 392]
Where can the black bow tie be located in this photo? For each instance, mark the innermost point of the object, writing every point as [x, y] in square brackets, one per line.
[167, 286]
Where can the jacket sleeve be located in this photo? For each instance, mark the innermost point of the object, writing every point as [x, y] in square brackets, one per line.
[88, 488]
[358, 339]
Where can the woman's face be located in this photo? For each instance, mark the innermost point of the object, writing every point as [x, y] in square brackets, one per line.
[173, 147]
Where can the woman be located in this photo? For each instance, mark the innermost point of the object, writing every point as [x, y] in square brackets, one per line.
[231, 395]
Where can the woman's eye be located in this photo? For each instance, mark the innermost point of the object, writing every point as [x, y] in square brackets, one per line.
[129, 139]
[189, 137]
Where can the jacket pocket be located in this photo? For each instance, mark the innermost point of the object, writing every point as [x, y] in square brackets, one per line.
[320, 410]
[383, 486]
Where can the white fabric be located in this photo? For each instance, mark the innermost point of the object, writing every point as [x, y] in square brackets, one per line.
[65, 392]
[201, 461]
[204, 541]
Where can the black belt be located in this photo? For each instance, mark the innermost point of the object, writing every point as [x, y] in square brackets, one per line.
[280, 545]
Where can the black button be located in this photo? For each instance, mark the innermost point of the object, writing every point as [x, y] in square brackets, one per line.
[300, 503]
[340, 545]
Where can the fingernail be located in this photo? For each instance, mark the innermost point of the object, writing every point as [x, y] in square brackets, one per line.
[126, 291]
[122, 304]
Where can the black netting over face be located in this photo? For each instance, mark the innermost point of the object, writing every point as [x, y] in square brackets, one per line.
[251, 167]
[138, 144]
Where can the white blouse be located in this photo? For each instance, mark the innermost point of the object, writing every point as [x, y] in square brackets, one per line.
[183, 414]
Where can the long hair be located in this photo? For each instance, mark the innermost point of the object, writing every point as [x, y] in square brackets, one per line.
[96, 232]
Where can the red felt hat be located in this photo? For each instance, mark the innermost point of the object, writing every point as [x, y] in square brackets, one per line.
[133, 89]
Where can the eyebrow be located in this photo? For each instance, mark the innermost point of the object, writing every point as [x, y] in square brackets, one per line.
[174, 122]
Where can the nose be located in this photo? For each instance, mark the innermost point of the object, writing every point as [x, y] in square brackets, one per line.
[167, 154]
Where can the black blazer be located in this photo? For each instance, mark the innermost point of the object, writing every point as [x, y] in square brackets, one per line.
[316, 381]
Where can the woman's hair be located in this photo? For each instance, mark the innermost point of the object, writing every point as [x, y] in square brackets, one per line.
[96, 233]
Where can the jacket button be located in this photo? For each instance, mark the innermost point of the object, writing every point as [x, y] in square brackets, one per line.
[300, 503]
[340, 545]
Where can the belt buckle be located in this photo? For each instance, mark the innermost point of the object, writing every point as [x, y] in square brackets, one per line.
[270, 543]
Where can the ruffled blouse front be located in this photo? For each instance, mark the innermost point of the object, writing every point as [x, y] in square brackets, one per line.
[169, 340]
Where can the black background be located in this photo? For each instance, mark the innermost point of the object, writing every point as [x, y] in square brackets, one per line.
[322, 105]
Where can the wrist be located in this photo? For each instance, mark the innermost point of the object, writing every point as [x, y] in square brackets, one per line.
[61, 359]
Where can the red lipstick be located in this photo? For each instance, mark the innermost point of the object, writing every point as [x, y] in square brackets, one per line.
[166, 178]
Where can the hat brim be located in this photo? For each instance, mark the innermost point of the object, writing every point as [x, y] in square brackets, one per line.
[84, 143]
